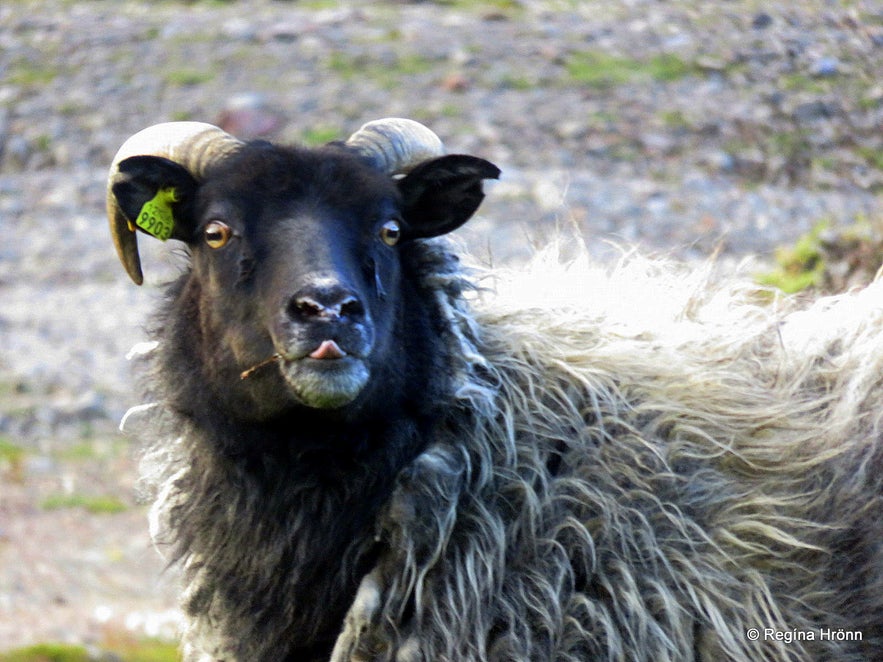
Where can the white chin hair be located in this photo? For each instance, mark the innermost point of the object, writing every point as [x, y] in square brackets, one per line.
[326, 384]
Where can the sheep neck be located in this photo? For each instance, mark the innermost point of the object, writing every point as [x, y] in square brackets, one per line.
[283, 511]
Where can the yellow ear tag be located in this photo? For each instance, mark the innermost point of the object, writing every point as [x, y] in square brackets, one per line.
[155, 217]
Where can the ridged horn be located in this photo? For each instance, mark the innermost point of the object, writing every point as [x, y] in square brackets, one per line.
[192, 145]
[396, 145]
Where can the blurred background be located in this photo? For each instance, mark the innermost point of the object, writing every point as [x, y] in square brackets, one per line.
[749, 130]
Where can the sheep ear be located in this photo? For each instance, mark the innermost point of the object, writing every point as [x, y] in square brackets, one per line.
[155, 195]
[442, 194]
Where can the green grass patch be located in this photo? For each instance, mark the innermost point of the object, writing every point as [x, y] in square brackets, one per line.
[188, 77]
[386, 73]
[800, 266]
[450, 110]
[516, 82]
[10, 452]
[81, 452]
[92, 448]
[830, 258]
[12, 461]
[874, 157]
[482, 6]
[870, 18]
[47, 653]
[97, 505]
[346, 65]
[123, 649]
[869, 102]
[319, 4]
[805, 83]
[665, 68]
[144, 650]
[674, 119]
[319, 135]
[792, 144]
[28, 73]
[602, 70]
[409, 65]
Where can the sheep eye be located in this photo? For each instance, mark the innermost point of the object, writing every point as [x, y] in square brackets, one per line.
[217, 234]
[390, 232]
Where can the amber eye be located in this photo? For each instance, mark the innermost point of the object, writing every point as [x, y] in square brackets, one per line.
[217, 234]
[390, 232]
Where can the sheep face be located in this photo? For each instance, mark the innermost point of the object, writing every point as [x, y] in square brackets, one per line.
[297, 256]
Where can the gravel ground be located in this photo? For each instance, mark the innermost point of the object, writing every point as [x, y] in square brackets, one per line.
[681, 127]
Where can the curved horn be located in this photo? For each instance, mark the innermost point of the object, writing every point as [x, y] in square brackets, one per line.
[396, 145]
[192, 145]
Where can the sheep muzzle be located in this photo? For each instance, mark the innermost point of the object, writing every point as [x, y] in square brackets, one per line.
[324, 364]
[325, 383]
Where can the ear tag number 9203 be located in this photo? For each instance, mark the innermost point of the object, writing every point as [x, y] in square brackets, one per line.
[156, 217]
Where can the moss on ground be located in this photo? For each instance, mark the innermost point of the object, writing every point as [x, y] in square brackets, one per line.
[827, 259]
[47, 653]
[124, 649]
[95, 504]
[600, 70]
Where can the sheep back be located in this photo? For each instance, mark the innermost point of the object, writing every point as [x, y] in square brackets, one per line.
[648, 475]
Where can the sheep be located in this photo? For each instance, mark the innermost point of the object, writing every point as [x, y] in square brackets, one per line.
[361, 451]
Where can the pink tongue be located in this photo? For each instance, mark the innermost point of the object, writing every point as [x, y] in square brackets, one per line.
[328, 350]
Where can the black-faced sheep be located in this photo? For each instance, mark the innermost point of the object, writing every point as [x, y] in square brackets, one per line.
[362, 457]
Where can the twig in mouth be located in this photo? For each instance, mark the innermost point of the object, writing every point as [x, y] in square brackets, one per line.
[245, 374]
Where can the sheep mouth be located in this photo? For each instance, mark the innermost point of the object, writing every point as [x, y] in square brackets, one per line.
[326, 376]
[322, 376]
[328, 350]
[325, 352]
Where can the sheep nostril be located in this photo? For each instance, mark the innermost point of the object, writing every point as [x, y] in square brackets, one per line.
[305, 307]
[325, 305]
[351, 307]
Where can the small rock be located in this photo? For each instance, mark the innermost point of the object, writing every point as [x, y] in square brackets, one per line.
[239, 29]
[4, 128]
[455, 82]
[571, 129]
[17, 151]
[751, 164]
[761, 21]
[658, 143]
[720, 161]
[711, 63]
[40, 465]
[283, 32]
[89, 406]
[815, 110]
[825, 67]
[248, 116]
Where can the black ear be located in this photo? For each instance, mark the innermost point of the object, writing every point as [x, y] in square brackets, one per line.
[442, 194]
[156, 196]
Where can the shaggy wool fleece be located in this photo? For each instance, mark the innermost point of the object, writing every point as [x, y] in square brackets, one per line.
[643, 464]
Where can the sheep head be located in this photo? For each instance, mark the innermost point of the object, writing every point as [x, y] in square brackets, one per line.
[296, 254]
